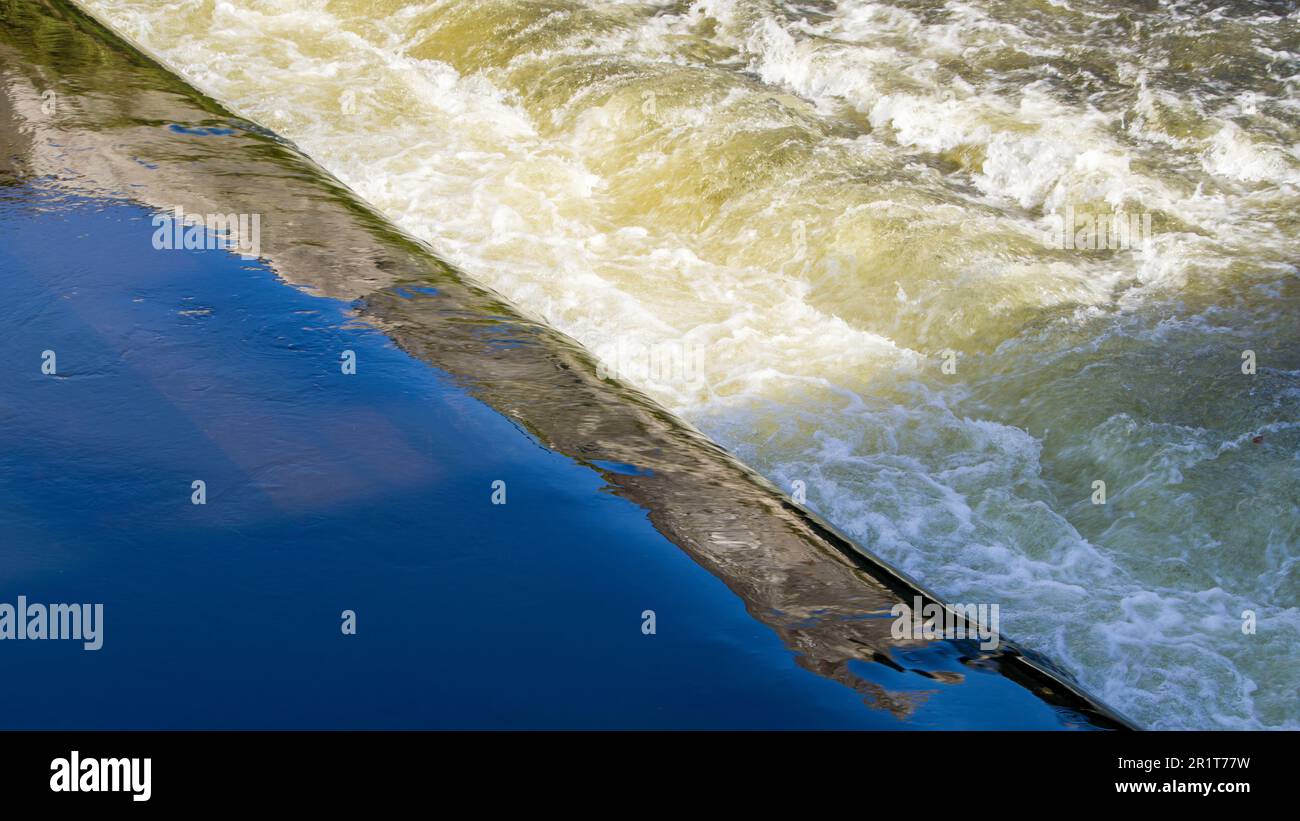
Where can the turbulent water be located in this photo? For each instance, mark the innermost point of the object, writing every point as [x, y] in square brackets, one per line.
[827, 234]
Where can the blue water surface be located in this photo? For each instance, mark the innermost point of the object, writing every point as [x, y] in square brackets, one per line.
[329, 492]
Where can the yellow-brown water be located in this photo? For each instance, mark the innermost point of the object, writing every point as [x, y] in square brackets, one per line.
[781, 220]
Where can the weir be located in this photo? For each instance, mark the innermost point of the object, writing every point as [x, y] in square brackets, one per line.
[828, 600]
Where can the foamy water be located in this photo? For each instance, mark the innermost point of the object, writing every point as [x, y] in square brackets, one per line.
[812, 204]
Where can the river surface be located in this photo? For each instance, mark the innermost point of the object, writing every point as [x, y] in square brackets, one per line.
[829, 236]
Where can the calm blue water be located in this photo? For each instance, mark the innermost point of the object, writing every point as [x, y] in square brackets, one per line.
[328, 492]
